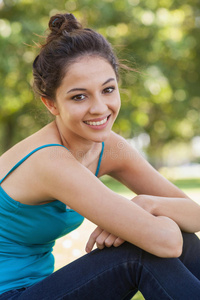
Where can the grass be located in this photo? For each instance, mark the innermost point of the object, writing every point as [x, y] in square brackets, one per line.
[183, 184]
[138, 296]
[115, 185]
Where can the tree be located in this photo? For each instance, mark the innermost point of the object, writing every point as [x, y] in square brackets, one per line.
[158, 38]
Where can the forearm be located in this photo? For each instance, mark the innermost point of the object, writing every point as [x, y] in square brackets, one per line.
[184, 211]
[158, 235]
[166, 230]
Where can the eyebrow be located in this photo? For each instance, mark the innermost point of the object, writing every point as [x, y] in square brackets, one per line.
[82, 89]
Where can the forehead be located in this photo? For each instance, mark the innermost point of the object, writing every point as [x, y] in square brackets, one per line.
[88, 68]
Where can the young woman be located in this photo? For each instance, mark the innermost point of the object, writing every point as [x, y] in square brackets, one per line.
[49, 183]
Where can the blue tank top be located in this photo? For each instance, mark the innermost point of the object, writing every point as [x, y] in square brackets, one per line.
[28, 234]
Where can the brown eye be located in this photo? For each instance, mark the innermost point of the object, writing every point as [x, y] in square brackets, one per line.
[108, 90]
[79, 97]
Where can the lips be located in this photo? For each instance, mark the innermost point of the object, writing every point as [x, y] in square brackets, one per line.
[97, 122]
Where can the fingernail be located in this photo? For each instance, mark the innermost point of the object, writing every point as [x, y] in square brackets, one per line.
[87, 249]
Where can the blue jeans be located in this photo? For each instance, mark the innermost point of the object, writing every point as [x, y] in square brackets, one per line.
[118, 273]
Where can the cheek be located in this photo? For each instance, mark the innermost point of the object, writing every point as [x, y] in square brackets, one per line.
[117, 104]
[76, 114]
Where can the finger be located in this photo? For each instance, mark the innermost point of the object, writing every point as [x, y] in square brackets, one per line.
[100, 240]
[118, 242]
[92, 239]
[110, 240]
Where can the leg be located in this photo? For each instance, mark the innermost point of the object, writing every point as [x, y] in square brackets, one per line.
[115, 273]
[191, 253]
[169, 276]
[102, 274]
[188, 271]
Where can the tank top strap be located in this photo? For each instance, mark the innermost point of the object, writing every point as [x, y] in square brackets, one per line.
[27, 156]
[100, 159]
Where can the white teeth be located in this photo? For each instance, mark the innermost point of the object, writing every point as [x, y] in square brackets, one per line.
[96, 123]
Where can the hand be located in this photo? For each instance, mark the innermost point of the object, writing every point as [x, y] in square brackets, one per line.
[102, 239]
[146, 202]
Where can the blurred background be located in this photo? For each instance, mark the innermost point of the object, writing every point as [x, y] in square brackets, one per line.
[159, 38]
[160, 112]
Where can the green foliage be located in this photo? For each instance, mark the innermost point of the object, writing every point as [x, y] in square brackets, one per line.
[159, 38]
[138, 296]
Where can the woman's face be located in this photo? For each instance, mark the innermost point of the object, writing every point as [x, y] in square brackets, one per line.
[88, 100]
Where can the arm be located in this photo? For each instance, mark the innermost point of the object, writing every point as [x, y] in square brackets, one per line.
[136, 173]
[63, 178]
[183, 211]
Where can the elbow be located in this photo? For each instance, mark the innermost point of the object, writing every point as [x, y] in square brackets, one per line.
[176, 250]
[171, 250]
[174, 245]
[171, 240]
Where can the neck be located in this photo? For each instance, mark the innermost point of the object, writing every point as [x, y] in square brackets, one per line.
[80, 148]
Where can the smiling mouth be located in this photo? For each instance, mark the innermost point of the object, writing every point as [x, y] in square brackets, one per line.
[98, 122]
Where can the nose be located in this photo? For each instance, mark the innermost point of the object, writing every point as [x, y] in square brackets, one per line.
[98, 105]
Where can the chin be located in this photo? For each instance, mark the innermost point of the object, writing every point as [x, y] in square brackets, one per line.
[102, 138]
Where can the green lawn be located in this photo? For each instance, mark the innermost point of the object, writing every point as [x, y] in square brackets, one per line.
[184, 184]
[188, 184]
[138, 296]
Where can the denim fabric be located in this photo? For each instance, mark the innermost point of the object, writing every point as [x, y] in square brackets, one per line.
[118, 273]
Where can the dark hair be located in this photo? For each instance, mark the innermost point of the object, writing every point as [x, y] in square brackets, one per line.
[67, 42]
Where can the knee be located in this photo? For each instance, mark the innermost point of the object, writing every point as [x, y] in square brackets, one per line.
[126, 252]
[190, 238]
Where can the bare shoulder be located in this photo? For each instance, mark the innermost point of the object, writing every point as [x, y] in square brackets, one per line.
[65, 179]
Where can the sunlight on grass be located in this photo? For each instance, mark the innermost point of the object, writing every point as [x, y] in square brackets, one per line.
[190, 186]
[138, 296]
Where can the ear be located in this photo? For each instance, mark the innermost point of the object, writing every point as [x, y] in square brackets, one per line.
[51, 106]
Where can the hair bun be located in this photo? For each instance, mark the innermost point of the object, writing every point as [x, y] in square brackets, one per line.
[61, 22]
